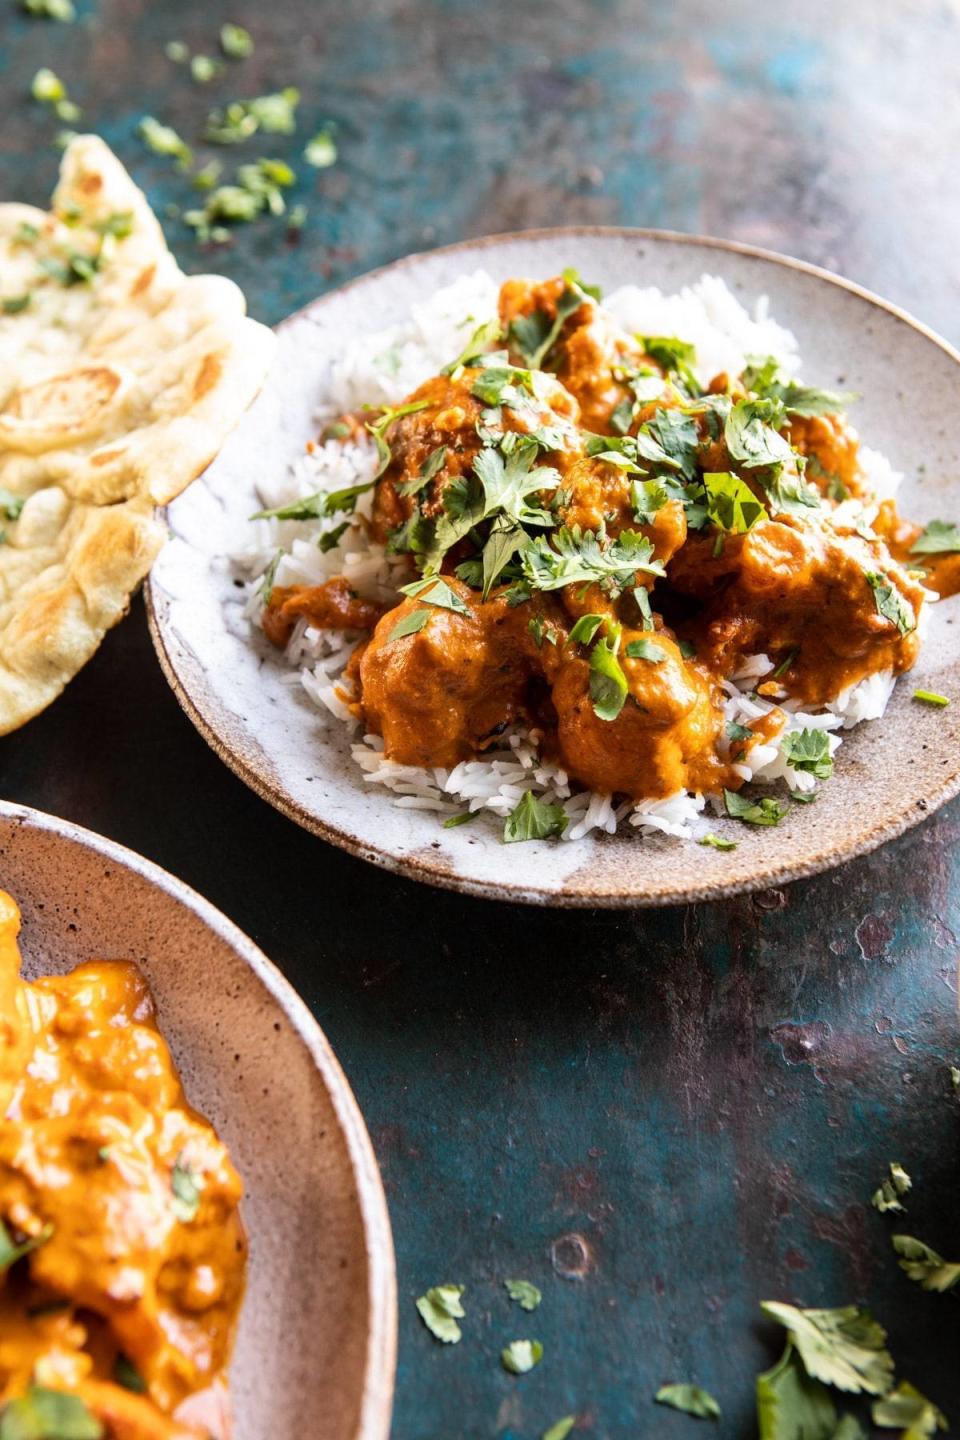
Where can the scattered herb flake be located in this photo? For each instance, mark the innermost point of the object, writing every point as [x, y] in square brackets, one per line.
[321, 151]
[127, 1375]
[235, 42]
[717, 841]
[646, 650]
[608, 683]
[767, 811]
[808, 750]
[585, 629]
[887, 1195]
[11, 1251]
[560, 1429]
[43, 1414]
[204, 68]
[463, 818]
[940, 537]
[164, 140]
[906, 1409]
[520, 1356]
[691, 1399]
[525, 1293]
[62, 10]
[930, 697]
[440, 1309]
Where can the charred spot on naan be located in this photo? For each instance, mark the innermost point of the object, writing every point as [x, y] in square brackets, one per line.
[61, 409]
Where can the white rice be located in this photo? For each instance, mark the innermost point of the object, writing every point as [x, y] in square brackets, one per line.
[382, 369]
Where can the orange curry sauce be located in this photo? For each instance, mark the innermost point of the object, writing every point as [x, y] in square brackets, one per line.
[809, 584]
[129, 1298]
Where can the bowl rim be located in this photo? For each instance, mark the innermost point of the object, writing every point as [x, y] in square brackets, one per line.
[376, 1404]
[419, 868]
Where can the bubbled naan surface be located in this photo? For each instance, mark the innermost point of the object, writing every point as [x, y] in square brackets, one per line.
[115, 392]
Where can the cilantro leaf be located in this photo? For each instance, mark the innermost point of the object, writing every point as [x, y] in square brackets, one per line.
[10, 503]
[440, 1309]
[905, 1408]
[890, 603]
[527, 1295]
[43, 1414]
[731, 504]
[507, 485]
[808, 750]
[691, 1399]
[503, 385]
[924, 1265]
[560, 1429]
[521, 1355]
[647, 497]
[436, 592]
[503, 542]
[754, 812]
[489, 333]
[792, 1406]
[789, 494]
[675, 357]
[186, 1189]
[940, 537]
[428, 471]
[764, 379]
[717, 842]
[321, 150]
[845, 1347]
[11, 1252]
[750, 435]
[646, 650]
[164, 140]
[585, 629]
[608, 683]
[887, 1196]
[534, 819]
[462, 818]
[410, 624]
[579, 557]
[235, 42]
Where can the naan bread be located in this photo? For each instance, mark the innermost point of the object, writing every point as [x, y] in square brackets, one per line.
[120, 378]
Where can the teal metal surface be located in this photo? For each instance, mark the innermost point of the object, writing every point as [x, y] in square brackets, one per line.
[661, 1118]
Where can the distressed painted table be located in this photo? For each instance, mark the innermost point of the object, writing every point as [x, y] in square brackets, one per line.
[659, 1118]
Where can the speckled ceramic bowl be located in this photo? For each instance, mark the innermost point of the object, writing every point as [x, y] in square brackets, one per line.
[890, 773]
[318, 1328]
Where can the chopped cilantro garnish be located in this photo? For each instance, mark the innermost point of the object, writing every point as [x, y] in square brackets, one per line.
[10, 503]
[717, 841]
[15, 304]
[585, 629]
[127, 1375]
[845, 1347]
[521, 1355]
[462, 818]
[485, 335]
[675, 357]
[808, 750]
[940, 537]
[12, 1251]
[410, 624]
[440, 1309]
[186, 1192]
[736, 731]
[330, 539]
[764, 379]
[887, 1195]
[203, 68]
[608, 683]
[534, 819]
[236, 122]
[577, 557]
[321, 151]
[924, 1265]
[691, 1399]
[646, 650]
[43, 1414]
[767, 811]
[525, 1293]
[48, 88]
[930, 697]
[535, 335]
[792, 1406]
[731, 504]
[688, 650]
[62, 10]
[177, 51]
[890, 603]
[235, 42]
[435, 592]
[164, 140]
[750, 435]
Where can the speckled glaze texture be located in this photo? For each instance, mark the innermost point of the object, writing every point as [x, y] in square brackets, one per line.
[317, 1332]
[890, 773]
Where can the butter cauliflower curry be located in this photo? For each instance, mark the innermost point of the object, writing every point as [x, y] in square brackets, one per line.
[122, 1254]
[596, 541]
